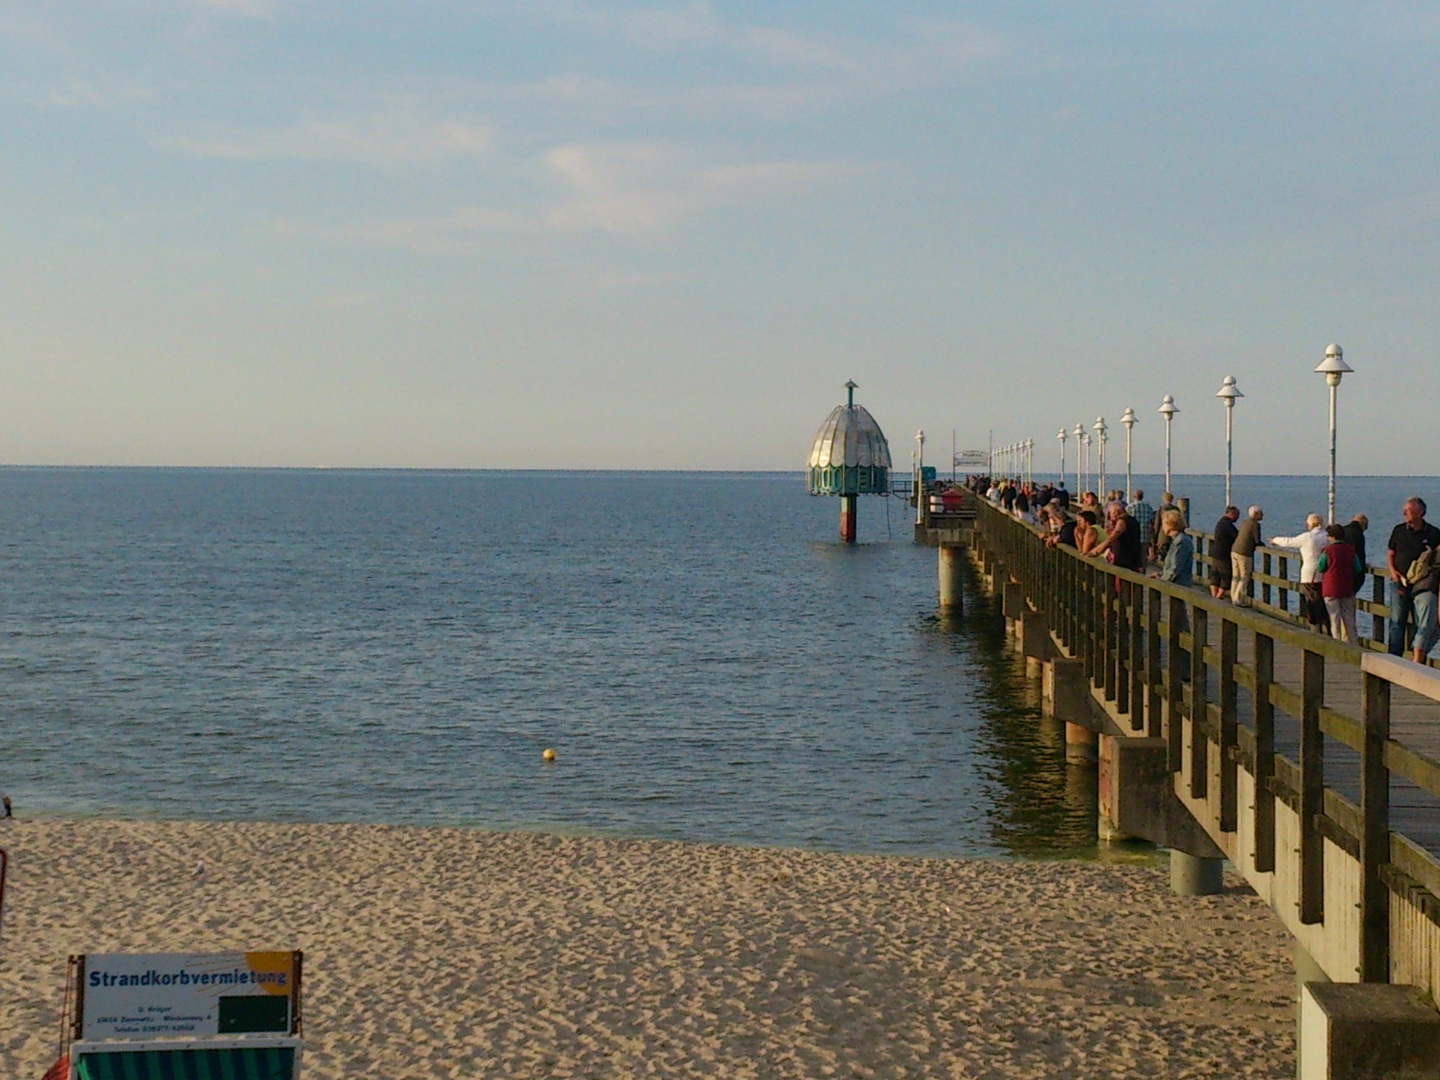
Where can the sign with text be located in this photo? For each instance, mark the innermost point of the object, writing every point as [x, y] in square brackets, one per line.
[973, 461]
[164, 995]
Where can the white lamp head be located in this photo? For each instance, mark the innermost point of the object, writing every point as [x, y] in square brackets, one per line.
[1334, 366]
[1228, 391]
[1168, 408]
[1129, 419]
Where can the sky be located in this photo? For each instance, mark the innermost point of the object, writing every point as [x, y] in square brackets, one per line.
[572, 234]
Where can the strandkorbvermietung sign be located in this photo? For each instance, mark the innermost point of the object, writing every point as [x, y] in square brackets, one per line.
[168, 995]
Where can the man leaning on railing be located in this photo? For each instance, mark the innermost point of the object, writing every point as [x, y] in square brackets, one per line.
[1242, 556]
[1411, 559]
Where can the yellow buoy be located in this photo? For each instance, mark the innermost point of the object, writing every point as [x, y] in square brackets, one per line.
[548, 755]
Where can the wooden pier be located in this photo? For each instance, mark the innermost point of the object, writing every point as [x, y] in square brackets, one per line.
[1311, 764]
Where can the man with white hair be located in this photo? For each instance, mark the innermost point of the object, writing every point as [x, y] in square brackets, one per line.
[1411, 560]
[1311, 544]
[1242, 556]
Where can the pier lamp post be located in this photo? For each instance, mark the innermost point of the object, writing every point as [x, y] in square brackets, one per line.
[1229, 393]
[1062, 437]
[1129, 419]
[1085, 457]
[1030, 461]
[1100, 430]
[1333, 368]
[920, 477]
[1079, 460]
[1168, 410]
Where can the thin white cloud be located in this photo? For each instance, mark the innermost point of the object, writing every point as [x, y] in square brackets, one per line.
[655, 28]
[386, 140]
[249, 9]
[454, 233]
[82, 93]
[798, 73]
[638, 191]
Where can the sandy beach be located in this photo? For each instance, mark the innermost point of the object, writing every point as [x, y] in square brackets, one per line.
[464, 953]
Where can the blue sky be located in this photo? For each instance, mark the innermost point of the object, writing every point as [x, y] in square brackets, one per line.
[572, 234]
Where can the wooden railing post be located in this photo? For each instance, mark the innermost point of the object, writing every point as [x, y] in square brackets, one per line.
[1175, 685]
[1094, 624]
[1312, 790]
[1264, 754]
[1139, 597]
[1122, 645]
[1377, 593]
[1110, 589]
[1229, 723]
[1154, 711]
[1374, 832]
[1199, 707]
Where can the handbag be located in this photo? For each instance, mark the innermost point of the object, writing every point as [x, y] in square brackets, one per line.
[1421, 568]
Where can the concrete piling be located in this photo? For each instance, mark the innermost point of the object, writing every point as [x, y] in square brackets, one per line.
[1013, 604]
[1191, 875]
[951, 578]
[1034, 641]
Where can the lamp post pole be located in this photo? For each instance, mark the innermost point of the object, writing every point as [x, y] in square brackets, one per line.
[1229, 393]
[1079, 460]
[1333, 368]
[920, 477]
[1062, 437]
[1030, 462]
[1129, 419]
[1168, 410]
[1100, 430]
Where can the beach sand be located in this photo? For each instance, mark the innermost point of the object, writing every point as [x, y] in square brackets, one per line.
[465, 953]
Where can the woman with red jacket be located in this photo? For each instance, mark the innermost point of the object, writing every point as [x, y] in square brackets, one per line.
[1340, 577]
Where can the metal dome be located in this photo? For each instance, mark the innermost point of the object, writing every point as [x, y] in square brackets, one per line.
[850, 455]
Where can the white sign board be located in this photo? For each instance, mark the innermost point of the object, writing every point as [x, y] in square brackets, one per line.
[972, 461]
[163, 995]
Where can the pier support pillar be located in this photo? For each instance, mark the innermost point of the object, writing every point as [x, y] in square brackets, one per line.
[1081, 745]
[1034, 641]
[951, 578]
[1191, 875]
[1013, 604]
[1070, 699]
[848, 518]
[1356, 1031]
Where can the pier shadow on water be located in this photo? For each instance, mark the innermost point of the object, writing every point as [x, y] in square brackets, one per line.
[1037, 804]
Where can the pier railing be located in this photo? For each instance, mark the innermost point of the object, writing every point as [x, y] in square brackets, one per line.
[1247, 706]
[1275, 588]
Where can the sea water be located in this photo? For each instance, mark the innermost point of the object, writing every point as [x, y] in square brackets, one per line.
[707, 660]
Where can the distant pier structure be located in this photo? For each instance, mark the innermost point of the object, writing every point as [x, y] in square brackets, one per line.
[850, 458]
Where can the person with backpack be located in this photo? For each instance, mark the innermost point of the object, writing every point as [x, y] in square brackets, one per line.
[1411, 561]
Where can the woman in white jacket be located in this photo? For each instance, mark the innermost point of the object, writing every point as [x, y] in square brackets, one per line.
[1311, 544]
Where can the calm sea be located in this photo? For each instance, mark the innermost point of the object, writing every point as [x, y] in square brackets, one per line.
[707, 661]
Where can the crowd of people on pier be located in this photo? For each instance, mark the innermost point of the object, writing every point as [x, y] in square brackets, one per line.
[1134, 535]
